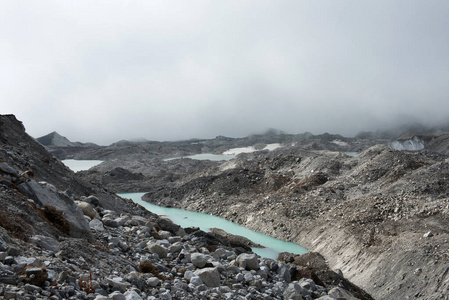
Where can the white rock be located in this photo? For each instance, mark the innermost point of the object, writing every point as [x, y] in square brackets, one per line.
[153, 281]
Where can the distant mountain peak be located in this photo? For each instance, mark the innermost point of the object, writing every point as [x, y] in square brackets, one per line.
[55, 139]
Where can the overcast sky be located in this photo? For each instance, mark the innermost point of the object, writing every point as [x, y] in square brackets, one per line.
[101, 71]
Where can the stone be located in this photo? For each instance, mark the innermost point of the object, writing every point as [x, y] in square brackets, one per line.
[294, 292]
[199, 260]
[92, 200]
[196, 280]
[96, 225]
[247, 261]
[158, 249]
[118, 283]
[164, 234]
[176, 247]
[340, 293]
[284, 273]
[88, 210]
[132, 295]
[428, 234]
[219, 253]
[45, 195]
[122, 220]
[46, 243]
[153, 281]
[110, 222]
[117, 296]
[209, 276]
[3, 245]
[5, 168]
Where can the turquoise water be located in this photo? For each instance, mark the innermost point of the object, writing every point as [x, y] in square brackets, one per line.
[186, 218]
[205, 156]
[80, 165]
[352, 154]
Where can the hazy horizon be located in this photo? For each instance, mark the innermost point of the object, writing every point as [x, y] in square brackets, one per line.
[105, 71]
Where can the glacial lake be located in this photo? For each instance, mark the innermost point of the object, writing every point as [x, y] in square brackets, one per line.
[186, 218]
[80, 165]
[205, 156]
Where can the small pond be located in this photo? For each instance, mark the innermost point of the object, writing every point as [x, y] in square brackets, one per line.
[80, 165]
[205, 156]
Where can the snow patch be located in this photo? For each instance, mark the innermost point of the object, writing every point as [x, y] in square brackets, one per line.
[250, 149]
[340, 143]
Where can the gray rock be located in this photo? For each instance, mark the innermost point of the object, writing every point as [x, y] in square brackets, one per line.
[196, 280]
[94, 201]
[326, 297]
[5, 168]
[122, 220]
[32, 288]
[199, 260]
[209, 276]
[247, 261]
[293, 291]
[153, 281]
[46, 243]
[117, 296]
[176, 247]
[96, 225]
[118, 283]
[132, 295]
[338, 293]
[45, 195]
[110, 222]
[284, 272]
[3, 245]
[158, 249]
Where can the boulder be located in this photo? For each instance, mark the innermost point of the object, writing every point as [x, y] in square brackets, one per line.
[153, 281]
[293, 291]
[247, 261]
[118, 283]
[199, 260]
[45, 195]
[88, 210]
[158, 249]
[96, 225]
[209, 276]
[132, 295]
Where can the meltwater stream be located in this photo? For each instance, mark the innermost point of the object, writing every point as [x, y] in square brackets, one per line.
[186, 218]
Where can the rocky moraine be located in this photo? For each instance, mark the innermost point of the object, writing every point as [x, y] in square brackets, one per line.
[62, 237]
